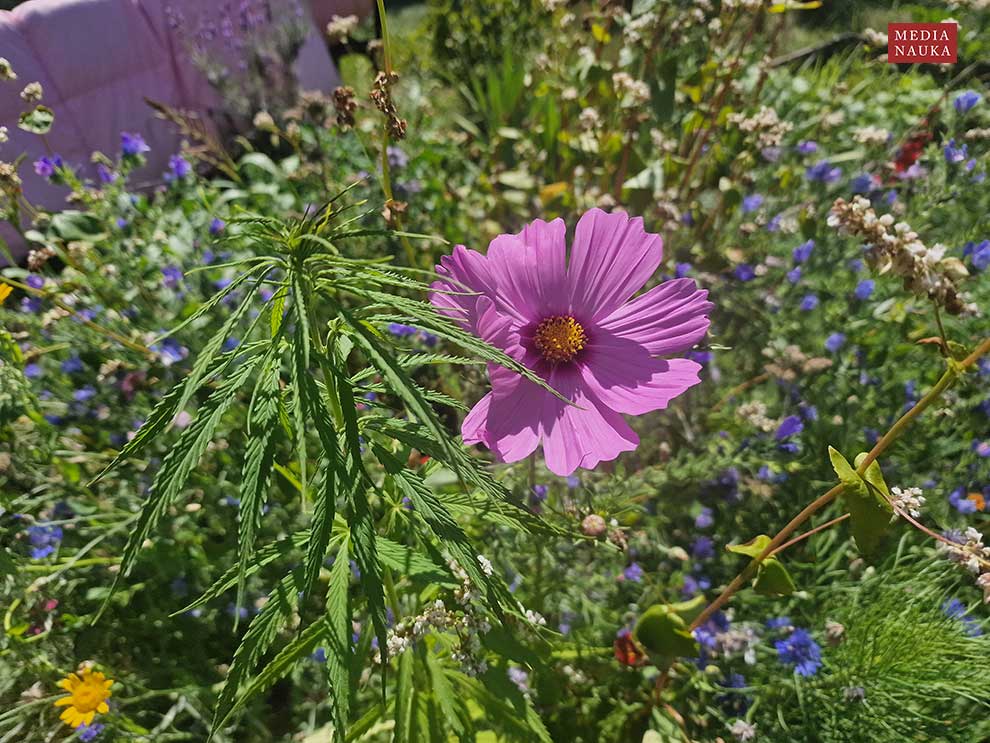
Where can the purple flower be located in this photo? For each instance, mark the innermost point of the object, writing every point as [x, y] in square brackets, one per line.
[982, 448]
[171, 276]
[89, 732]
[682, 269]
[966, 101]
[694, 584]
[771, 154]
[105, 174]
[32, 370]
[800, 651]
[834, 342]
[401, 331]
[955, 155]
[46, 166]
[809, 302]
[959, 501]
[790, 426]
[539, 493]
[633, 573]
[44, 539]
[84, 394]
[178, 168]
[703, 548]
[862, 183]
[744, 272]
[956, 609]
[794, 275]
[72, 365]
[823, 172]
[779, 623]
[170, 351]
[803, 251]
[704, 519]
[216, 226]
[397, 158]
[774, 224]
[751, 203]
[978, 254]
[132, 144]
[807, 147]
[319, 655]
[864, 289]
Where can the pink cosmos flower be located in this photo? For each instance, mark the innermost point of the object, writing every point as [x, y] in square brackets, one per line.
[575, 324]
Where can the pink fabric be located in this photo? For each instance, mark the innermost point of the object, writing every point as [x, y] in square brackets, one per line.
[97, 60]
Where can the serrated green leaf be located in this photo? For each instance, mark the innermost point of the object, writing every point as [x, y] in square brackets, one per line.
[339, 657]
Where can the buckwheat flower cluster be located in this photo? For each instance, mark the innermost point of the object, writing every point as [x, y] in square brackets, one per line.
[6, 71]
[32, 92]
[637, 27]
[896, 248]
[755, 413]
[970, 552]
[871, 135]
[974, 135]
[874, 38]
[765, 124]
[633, 92]
[743, 731]
[909, 501]
[467, 621]
[341, 27]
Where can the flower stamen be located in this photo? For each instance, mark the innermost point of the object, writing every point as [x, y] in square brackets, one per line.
[559, 338]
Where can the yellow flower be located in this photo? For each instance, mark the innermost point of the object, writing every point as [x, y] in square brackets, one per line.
[5, 290]
[88, 694]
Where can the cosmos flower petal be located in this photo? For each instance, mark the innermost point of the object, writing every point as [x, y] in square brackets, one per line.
[667, 319]
[462, 272]
[635, 383]
[546, 248]
[612, 257]
[580, 435]
[507, 420]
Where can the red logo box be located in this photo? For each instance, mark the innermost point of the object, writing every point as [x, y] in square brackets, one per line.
[922, 43]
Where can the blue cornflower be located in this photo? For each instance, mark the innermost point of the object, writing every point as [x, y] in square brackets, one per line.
[695, 584]
[44, 538]
[779, 623]
[539, 493]
[862, 183]
[790, 426]
[978, 254]
[803, 251]
[319, 655]
[133, 144]
[751, 203]
[982, 448]
[809, 302]
[682, 269]
[807, 147]
[32, 370]
[633, 572]
[823, 172]
[744, 272]
[966, 101]
[105, 174]
[84, 393]
[864, 289]
[72, 365]
[170, 351]
[800, 651]
[774, 224]
[834, 342]
[216, 226]
[794, 275]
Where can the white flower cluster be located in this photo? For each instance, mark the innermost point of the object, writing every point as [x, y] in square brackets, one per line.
[972, 554]
[633, 92]
[894, 247]
[637, 27]
[341, 27]
[765, 124]
[871, 135]
[974, 135]
[467, 621]
[744, 4]
[6, 71]
[32, 92]
[755, 413]
[910, 500]
[874, 38]
[589, 119]
[743, 731]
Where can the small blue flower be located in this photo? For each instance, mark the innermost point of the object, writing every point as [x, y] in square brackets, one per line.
[955, 155]
[956, 609]
[803, 251]
[703, 548]
[807, 147]
[178, 168]
[397, 158]
[633, 573]
[46, 166]
[823, 172]
[132, 144]
[682, 269]
[966, 101]
[401, 331]
[216, 226]
[44, 539]
[864, 289]
[89, 732]
[704, 519]
[978, 254]
[800, 651]
[171, 276]
[72, 365]
[744, 272]
[809, 302]
[779, 623]
[105, 174]
[751, 203]
[862, 183]
[835, 342]
[794, 275]
[790, 426]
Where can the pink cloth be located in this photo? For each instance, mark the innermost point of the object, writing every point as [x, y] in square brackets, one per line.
[97, 60]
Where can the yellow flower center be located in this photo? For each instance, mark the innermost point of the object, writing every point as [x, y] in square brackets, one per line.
[88, 695]
[5, 291]
[559, 338]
